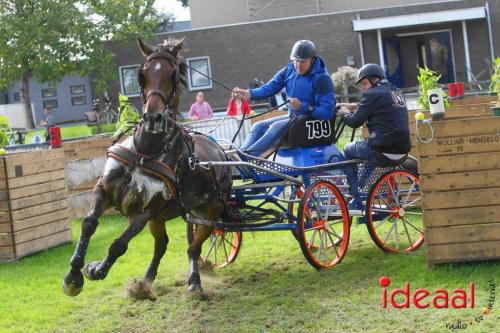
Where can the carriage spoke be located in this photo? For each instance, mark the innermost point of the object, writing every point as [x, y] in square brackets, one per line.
[320, 246]
[396, 234]
[382, 221]
[407, 233]
[412, 202]
[212, 244]
[413, 213]
[230, 244]
[389, 233]
[333, 243]
[394, 196]
[409, 193]
[333, 232]
[313, 236]
[378, 210]
[411, 225]
[225, 250]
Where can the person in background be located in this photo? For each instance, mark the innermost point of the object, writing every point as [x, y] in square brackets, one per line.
[238, 105]
[200, 109]
[50, 121]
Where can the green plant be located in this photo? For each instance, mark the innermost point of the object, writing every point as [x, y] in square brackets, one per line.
[428, 80]
[495, 80]
[128, 117]
[4, 128]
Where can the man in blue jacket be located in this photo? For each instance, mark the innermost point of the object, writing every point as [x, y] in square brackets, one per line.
[383, 108]
[310, 94]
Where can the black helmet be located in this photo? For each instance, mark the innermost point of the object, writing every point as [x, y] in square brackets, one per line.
[302, 50]
[370, 70]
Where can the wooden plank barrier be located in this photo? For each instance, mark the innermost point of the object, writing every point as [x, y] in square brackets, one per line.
[83, 163]
[474, 108]
[33, 203]
[460, 180]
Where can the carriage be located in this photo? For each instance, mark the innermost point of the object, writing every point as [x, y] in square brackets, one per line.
[306, 189]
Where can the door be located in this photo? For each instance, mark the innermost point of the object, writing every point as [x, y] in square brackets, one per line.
[439, 55]
[392, 60]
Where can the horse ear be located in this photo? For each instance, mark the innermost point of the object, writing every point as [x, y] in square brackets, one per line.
[146, 48]
[178, 47]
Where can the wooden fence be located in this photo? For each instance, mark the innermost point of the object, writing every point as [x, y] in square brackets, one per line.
[460, 181]
[33, 203]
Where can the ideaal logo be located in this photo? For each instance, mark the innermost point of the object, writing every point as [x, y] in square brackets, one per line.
[440, 299]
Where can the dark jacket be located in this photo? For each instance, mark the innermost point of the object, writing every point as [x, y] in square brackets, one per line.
[314, 89]
[383, 108]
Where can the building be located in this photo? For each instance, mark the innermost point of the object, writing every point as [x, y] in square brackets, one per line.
[236, 41]
[69, 99]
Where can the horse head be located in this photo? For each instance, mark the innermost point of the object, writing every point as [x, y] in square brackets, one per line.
[160, 79]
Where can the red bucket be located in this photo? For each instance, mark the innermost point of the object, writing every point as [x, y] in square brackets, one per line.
[452, 90]
[55, 137]
[460, 88]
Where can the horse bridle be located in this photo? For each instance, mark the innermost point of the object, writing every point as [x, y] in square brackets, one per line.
[175, 80]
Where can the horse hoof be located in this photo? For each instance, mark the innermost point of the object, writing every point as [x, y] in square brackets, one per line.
[73, 283]
[195, 288]
[91, 272]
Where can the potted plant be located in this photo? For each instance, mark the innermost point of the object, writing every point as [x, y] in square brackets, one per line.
[495, 87]
[428, 80]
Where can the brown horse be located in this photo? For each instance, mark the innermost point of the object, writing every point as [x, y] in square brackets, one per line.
[151, 177]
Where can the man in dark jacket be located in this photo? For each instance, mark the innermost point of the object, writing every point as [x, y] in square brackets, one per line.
[310, 94]
[383, 109]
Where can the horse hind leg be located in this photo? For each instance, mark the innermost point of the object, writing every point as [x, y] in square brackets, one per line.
[212, 213]
[98, 270]
[73, 281]
[158, 230]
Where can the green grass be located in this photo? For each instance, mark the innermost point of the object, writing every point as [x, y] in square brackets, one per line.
[71, 132]
[270, 288]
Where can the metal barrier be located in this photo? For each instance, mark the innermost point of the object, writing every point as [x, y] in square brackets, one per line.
[222, 128]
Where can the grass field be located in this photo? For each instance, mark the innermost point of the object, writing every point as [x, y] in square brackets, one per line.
[270, 288]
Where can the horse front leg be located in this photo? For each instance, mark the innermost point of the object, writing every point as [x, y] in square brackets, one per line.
[73, 281]
[98, 270]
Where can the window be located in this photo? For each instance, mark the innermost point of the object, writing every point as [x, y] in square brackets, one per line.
[16, 96]
[128, 80]
[78, 89]
[50, 103]
[49, 92]
[78, 100]
[196, 80]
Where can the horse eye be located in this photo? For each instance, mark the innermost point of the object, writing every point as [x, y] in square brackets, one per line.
[144, 115]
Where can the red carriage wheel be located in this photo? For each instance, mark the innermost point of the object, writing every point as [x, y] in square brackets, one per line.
[222, 247]
[323, 227]
[393, 212]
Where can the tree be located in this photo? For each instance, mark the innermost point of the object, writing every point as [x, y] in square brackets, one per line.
[184, 2]
[47, 39]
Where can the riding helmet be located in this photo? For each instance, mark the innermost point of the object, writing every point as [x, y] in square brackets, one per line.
[370, 70]
[303, 49]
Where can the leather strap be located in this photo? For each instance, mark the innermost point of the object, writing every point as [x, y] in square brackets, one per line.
[146, 163]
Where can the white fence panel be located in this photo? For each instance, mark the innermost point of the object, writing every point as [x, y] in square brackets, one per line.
[222, 128]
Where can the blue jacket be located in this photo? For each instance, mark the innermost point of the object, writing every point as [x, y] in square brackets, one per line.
[314, 89]
[383, 108]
